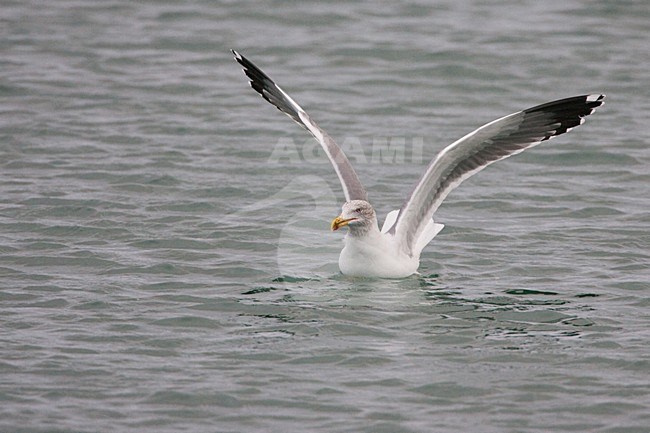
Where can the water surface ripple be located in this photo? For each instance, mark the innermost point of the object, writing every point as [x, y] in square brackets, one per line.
[166, 263]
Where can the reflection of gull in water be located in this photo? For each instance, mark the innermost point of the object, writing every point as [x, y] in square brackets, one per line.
[394, 252]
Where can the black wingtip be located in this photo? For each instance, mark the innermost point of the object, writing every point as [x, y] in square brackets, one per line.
[264, 85]
[564, 114]
[595, 100]
[243, 61]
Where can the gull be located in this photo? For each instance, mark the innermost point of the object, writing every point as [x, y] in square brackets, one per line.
[394, 251]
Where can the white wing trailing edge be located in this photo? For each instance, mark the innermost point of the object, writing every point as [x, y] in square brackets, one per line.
[492, 142]
[262, 84]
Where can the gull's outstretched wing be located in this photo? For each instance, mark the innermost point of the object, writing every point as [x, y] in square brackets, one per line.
[270, 91]
[497, 140]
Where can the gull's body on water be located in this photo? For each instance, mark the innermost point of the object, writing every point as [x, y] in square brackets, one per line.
[394, 251]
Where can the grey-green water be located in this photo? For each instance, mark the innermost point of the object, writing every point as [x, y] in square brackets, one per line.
[166, 263]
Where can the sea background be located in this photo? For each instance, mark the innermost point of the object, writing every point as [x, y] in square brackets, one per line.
[166, 263]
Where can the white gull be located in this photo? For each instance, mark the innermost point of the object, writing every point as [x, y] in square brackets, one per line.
[394, 251]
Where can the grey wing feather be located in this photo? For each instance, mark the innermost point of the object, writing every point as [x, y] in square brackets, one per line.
[264, 85]
[492, 142]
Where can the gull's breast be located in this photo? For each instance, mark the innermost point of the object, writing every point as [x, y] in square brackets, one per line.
[375, 256]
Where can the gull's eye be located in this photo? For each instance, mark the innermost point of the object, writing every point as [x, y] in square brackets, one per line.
[357, 210]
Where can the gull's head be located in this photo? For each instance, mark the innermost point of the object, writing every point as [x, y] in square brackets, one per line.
[358, 216]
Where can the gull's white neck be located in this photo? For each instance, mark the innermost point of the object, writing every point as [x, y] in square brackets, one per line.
[371, 229]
